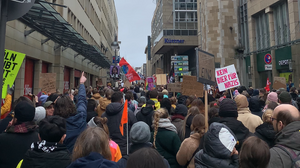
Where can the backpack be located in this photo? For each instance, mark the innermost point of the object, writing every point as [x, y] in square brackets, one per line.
[294, 155]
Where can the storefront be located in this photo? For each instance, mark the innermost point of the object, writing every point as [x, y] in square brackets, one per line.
[283, 59]
[264, 68]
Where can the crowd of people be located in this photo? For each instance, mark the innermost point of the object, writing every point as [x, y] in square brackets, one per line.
[247, 128]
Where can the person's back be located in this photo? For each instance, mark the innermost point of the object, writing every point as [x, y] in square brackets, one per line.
[17, 138]
[50, 152]
[146, 114]
[266, 131]
[254, 106]
[103, 103]
[91, 109]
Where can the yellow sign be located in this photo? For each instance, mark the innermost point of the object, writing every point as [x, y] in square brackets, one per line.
[11, 66]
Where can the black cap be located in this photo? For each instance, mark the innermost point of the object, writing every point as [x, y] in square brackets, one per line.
[150, 102]
[285, 97]
[228, 108]
[24, 112]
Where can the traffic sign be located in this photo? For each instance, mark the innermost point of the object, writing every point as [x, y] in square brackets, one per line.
[268, 59]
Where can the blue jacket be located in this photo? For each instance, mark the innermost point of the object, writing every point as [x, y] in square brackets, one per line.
[76, 124]
[93, 160]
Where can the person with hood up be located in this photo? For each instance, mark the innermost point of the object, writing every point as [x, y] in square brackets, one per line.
[114, 113]
[146, 114]
[272, 97]
[165, 139]
[228, 113]
[166, 103]
[92, 150]
[178, 118]
[249, 120]
[219, 148]
[49, 152]
[141, 101]
[103, 103]
[285, 120]
[96, 96]
[266, 131]
[254, 105]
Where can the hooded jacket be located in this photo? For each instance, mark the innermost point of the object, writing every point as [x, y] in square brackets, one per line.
[146, 115]
[249, 120]
[219, 142]
[113, 114]
[103, 103]
[36, 157]
[237, 127]
[94, 160]
[266, 133]
[157, 103]
[254, 106]
[289, 137]
[97, 97]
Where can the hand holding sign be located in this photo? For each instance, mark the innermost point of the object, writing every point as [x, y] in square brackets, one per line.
[82, 78]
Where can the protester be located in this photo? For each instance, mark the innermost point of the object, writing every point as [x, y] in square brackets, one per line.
[173, 102]
[96, 96]
[266, 131]
[42, 100]
[187, 123]
[190, 146]
[262, 97]
[141, 101]
[165, 93]
[228, 113]
[49, 151]
[75, 119]
[249, 120]
[49, 106]
[153, 95]
[219, 150]
[92, 150]
[178, 118]
[91, 109]
[146, 158]
[7, 101]
[40, 114]
[254, 153]
[189, 101]
[294, 93]
[213, 115]
[103, 103]
[285, 120]
[272, 105]
[114, 113]
[133, 92]
[160, 96]
[18, 136]
[146, 114]
[285, 98]
[165, 138]
[166, 103]
[129, 97]
[199, 104]
[272, 97]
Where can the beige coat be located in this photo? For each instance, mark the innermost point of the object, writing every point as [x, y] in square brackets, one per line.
[250, 120]
[102, 106]
[187, 149]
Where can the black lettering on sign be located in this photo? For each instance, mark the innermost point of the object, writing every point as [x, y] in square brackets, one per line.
[6, 72]
[11, 58]
[206, 74]
[14, 65]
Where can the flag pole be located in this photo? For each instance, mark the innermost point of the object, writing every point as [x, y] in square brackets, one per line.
[127, 137]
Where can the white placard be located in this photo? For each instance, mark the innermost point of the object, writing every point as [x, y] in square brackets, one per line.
[227, 78]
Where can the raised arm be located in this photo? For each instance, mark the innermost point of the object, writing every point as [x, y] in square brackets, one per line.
[81, 102]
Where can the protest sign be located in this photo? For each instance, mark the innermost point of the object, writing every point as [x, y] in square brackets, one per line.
[47, 82]
[127, 84]
[227, 78]
[279, 82]
[174, 87]
[159, 71]
[161, 79]
[150, 83]
[11, 66]
[205, 67]
[190, 86]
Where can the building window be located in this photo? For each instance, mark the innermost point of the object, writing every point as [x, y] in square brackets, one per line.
[281, 24]
[244, 25]
[185, 14]
[262, 31]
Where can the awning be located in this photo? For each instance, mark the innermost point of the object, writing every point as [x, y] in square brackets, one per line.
[43, 18]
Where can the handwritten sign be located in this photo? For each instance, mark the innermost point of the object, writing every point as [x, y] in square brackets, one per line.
[190, 86]
[227, 78]
[205, 67]
[47, 82]
[161, 79]
[279, 82]
[11, 66]
[174, 87]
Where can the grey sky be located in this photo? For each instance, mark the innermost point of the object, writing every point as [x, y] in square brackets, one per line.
[135, 18]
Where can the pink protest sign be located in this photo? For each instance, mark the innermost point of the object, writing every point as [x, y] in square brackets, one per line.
[227, 78]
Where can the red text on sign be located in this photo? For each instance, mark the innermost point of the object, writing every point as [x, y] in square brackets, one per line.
[232, 83]
[232, 76]
[222, 72]
[222, 79]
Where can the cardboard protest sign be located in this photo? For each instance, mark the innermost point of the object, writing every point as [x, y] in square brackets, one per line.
[47, 82]
[11, 66]
[227, 78]
[174, 87]
[190, 86]
[127, 84]
[159, 71]
[205, 67]
[161, 79]
[279, 82]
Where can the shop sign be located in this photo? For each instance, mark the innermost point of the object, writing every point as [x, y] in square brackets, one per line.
[283, 62]
[268, 67]
[167, 40]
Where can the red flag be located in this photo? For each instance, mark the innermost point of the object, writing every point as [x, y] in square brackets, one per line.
[268, 85]
[130, 73]
[124, 118]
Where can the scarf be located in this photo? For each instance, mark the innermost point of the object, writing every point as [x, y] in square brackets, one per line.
[44, 146]
[175, 116]
[166, 124]
[24, 127]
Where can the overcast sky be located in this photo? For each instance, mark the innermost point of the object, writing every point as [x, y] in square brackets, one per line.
[135, 18]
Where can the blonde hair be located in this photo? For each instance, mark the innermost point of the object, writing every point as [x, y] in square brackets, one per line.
[93, 139]
[192, 111]
[160, 113]
[267, 116]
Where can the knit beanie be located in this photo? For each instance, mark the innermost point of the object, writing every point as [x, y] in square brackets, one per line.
[40, 113]
[272, 97]
[285, 97]
[24, 112]
[181, 109]
[43, 99]
[140, 133]
[228, 108]
[165, 92]
[241, 101]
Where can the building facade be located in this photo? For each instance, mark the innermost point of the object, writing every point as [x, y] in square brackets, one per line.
[93, 21]
[174, 33]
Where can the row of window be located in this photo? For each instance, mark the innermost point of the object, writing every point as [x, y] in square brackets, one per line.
[185, 6]
[185, 16]
[180, 32]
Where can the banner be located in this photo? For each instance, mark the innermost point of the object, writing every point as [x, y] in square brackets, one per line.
[130, 73]
[115, 72]
[11, 66]
[190, 86]
[227, 78]
[161, 79]
[150, 83]
[47, 82]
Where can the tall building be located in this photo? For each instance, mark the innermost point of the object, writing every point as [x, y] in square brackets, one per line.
[174, 32]
[64, 37]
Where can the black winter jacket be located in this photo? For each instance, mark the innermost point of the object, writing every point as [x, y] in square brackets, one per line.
[113, 114]
[255, 107]
[266, 133]
[146, 115]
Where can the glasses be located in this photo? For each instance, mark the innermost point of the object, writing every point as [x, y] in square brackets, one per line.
[272, 119]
